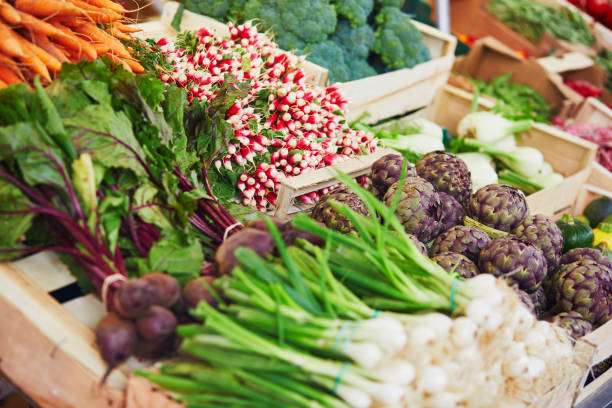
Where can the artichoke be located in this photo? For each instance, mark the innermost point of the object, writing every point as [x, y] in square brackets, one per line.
[592, 254]
[386, 171]
[420, 246]
[452, 211]
[499, 206]
[419, 208]
[584, 287]
[538, 298]
[447, 173]
[573, 323]
[323, 211]
[526, 299]
[542, 232]
[514, 260]
[456, 263]
[461, 239]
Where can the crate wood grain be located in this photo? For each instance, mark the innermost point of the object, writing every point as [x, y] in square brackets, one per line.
[314, 180]
[157, 29]
[594, 111]
[569, 155]
[397, 92]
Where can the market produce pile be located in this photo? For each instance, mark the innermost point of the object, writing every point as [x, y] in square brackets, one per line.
[352, 39]
[281, 125]
[39, 36]
[532, 19]
[330, 324]
[601, 135]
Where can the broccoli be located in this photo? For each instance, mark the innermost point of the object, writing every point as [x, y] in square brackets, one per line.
[222, 10]
[389, 3]
[295, 22]
[357, 41]
[398, 42]
[330, 55]
[358, 67]
[355, 11]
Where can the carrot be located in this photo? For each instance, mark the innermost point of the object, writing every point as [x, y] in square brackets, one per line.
[7, 75]
[50, 61]
[119, 61]
[68, 39]
[38, 26]
[48, 8]
[118, 34]
[44, 43]
[12, 65]
[2, 84]
[99, 15]
[125, 29]
[9, 14]
[96, 35]
[8, 44]
[101, 48]
[108, 4]
[135, 66]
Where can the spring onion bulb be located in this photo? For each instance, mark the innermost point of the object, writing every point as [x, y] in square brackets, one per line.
[489, 127]
[419, 143]
[424, 126]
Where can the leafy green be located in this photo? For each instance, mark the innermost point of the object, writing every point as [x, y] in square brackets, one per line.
[604, 60]
[12, 226]
[176, 254]
[147, 209]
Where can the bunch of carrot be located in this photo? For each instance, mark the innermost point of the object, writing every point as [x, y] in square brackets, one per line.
[37, 36]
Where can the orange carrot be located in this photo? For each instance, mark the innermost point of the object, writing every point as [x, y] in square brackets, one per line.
[125, 29]
[12, 65]
[7, 75]
[48, 8]
[68, 39]
[118, 34]
[99, 15]
[2, 84]
[9, 14]
[37, 25]
[96, 35]
[49, 60]
[119, 61]
[8, 44]
[135, 66]
[108, 4]
[101, 48]
[44, 43]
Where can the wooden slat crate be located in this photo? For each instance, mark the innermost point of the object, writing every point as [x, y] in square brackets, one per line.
[569, 155]
[397, 92]
[314, 74]
[594, 111]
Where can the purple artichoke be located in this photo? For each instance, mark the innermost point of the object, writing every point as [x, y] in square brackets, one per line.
[324, 213]
[542, 232]
[447, 173]
[386, 171]
[538, 298]
[514, 260]
[456, 263]
[461, 239]
[592, 254]
[573, 323]
[452, 211]
[499, 206]
[419, 208]
[584, 287]
[420, 246]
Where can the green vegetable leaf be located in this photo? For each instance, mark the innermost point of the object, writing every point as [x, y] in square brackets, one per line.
[146, 208]
[178, 17]
[177, 254]
[12, 226]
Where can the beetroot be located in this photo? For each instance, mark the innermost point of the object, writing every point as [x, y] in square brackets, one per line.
[116, 338]
[288, 231]
[156, 349]
[259, 241]
[167, 289]
[196, 291]
[157, 323]
[133, 298]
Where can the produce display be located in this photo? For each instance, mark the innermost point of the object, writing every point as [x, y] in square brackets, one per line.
[532, 19]
[600, 10]
[604, 60]
[601, 135]
[353, 39]
[151, 168]
[38, 37]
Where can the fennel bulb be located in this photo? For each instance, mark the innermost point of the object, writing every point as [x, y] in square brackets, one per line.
[420, 143]
[489, 127]
[481, 169]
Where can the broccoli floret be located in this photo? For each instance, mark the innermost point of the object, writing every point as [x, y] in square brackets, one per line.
[330, 55]
[222, 10]
[355, 11]
[308, 21]
[398, 42]
[358, 67]
[357, 41]
[389, 3]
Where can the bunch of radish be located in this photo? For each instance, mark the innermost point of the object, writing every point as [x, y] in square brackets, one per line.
[299, 125]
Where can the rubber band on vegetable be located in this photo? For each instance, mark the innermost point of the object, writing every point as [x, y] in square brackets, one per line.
[231, 227]
[350, 337]
[109, 280]
[452, 294]
[339, 377]
[340, 335]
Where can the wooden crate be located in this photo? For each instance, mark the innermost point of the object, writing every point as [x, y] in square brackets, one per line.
[569, 155]
[397, 92]
[157, 29]
[47, 349]
[593, 111]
